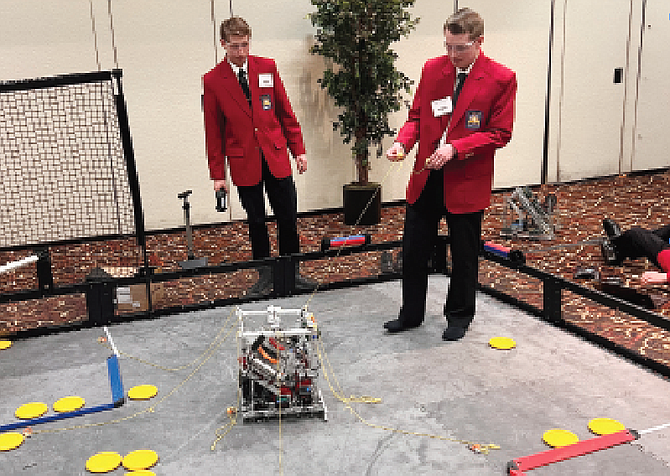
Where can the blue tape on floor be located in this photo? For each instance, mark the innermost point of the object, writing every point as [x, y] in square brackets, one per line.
[118, 395]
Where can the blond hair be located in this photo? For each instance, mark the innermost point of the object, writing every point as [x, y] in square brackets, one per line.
[234, 26]
[467, 21]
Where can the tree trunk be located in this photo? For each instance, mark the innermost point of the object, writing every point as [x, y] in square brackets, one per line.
[362, 164]
[362, 170]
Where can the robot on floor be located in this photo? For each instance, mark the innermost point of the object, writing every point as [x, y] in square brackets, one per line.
[525, 217]
[278, 367]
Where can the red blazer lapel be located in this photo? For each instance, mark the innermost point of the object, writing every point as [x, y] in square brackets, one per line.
[469, 92]
[447, 85]
[253, 78]
[232, 84]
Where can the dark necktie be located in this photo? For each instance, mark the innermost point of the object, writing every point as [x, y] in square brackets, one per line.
[459, 86]
[242, 77]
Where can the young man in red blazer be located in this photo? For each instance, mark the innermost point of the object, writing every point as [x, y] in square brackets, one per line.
[462, 112]
[249, 121]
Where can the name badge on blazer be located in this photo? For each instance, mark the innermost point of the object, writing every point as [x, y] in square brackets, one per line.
[265, 80]
[441, 106]
[473, 119]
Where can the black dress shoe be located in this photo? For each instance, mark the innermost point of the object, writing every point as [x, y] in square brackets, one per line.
[612, 229]
[453, 333]
[396, 325]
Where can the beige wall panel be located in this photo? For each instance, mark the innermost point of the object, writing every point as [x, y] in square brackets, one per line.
[587, 107]
[39, 38]
[165, 47]
[517, 35]
[652, 140]
[173, 135]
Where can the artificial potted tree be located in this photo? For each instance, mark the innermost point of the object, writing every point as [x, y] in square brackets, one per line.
[355, 37]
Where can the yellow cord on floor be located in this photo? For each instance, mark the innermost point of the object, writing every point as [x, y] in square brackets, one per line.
[347, 401]
[215, 344]
[208, 354]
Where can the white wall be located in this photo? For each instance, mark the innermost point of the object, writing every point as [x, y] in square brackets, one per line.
[164, 47]
[599, 127]
[517, 35]
[651, 140]
[587, 119]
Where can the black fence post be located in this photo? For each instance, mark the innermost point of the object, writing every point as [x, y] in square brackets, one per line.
[45, 279]
[551, 299]
[100, 297]
[284, 276]
[129, 155]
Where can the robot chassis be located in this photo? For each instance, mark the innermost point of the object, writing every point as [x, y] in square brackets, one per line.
[278, 367]
[525, 217]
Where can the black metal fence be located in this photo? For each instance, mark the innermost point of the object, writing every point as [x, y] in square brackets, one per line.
[101, 291]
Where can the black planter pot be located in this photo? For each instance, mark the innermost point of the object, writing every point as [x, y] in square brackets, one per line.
[356, 198]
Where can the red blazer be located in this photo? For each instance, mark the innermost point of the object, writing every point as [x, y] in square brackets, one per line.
[480, 124]
[238, 132]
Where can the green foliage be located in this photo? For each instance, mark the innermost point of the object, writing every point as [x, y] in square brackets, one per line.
[361, 77]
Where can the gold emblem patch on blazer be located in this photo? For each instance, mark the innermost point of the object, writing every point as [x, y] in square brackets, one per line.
[266, 102]
[473, 119]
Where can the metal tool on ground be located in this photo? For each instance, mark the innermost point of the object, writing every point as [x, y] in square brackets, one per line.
[591, 241]
[192, 262]
[520, 256]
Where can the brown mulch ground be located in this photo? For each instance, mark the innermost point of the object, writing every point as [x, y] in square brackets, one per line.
[640, 200]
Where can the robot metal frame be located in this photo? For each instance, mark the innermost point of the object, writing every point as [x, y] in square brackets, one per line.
[278, 367]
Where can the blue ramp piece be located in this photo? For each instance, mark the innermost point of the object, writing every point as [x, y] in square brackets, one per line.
[114, 372]
[118, 399]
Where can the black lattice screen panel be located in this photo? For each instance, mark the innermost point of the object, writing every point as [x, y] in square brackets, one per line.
[64, 172]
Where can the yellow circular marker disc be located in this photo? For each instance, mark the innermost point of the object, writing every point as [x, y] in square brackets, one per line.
[5, 344]
[142, 392]
[502, 343]
[68, 404]
[558, 438]
[31, 410]
[10, 441]
[140, 459]
[103, 462]
[605, 426]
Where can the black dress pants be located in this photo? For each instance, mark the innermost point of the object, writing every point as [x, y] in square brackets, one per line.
[283, 200]
[420, 235]
[638, 242]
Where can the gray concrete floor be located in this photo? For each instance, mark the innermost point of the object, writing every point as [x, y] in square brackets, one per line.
[462, 390]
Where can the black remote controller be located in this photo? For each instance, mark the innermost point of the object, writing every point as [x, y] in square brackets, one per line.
[221, 205]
